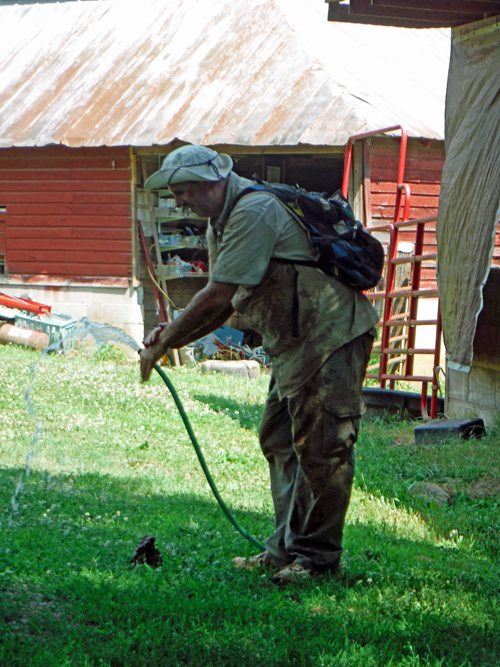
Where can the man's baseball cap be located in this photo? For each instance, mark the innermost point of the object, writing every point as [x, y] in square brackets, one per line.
[190, 163]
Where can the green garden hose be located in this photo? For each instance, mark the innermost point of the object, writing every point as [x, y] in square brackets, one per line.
[201, 459]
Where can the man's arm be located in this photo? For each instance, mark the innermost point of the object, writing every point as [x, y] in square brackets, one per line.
[200, 333]
[206, 311]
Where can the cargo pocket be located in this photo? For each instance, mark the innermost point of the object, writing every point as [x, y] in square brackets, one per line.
[343, 375]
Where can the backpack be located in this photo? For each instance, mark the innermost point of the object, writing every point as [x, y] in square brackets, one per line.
[347, 251]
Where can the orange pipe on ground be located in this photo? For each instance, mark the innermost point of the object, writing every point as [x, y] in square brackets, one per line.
[27, 337]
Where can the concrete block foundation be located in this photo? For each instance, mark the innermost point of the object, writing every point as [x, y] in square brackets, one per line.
[118, 304]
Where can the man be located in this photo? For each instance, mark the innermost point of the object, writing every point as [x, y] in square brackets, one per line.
[318, 333]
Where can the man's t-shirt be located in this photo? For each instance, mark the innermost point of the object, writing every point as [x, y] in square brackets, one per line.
[302, 314]
[259, 227]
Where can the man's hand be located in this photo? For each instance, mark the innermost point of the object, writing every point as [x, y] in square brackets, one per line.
[207, 310]
[154, 349]
[153, 336]
[149, 357]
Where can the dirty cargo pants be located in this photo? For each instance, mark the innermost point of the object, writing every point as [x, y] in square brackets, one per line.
[308, 440]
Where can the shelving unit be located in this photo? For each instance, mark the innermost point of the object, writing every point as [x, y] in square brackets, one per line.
[167, 232]
[181, 241]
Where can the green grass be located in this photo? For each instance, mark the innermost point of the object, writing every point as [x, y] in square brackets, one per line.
[98, 460]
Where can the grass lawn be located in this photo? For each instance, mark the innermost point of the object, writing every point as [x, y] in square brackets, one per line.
[93, 461]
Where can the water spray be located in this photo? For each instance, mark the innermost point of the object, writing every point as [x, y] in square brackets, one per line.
[102, 334]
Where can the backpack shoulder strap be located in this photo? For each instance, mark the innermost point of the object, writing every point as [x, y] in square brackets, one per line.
[281, 197]
[261, 187]
[252, 188]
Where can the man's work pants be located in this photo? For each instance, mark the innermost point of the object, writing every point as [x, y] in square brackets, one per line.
[308, 440]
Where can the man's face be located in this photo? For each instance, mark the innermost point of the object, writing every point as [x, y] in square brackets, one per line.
[198, 197]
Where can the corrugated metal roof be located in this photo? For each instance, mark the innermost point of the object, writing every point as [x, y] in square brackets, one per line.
[273, 72]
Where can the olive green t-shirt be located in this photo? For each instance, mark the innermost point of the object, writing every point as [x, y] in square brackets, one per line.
[302, 314]
[258, 228]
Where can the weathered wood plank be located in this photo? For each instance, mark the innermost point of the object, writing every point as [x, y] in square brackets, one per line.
[18, 247]
[77, 209]
[76, 269]
[61, 175]
[103, 233]
[48, 220]
[101, 185]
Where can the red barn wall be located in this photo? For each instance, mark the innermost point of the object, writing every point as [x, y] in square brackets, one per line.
[3, 227]
[68, 211]
[495, 260]
[423, 167]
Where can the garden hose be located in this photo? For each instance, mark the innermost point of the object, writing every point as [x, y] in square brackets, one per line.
[201, 458]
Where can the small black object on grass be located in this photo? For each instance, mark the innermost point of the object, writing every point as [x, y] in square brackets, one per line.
[147, 553]
[447, 429]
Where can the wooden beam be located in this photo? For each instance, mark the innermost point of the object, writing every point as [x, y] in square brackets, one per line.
[452, 6]
[341, 14]
[367, 185]
[473, 29]
[161, 268]
[146, 151]
[413, 13]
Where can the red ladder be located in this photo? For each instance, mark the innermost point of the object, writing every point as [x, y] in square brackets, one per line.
[398, 328]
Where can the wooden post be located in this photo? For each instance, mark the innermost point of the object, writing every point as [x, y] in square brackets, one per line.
[367, 185]
[163, 282]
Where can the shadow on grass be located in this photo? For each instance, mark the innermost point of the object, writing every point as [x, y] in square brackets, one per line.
[71, 597]
[247, 415]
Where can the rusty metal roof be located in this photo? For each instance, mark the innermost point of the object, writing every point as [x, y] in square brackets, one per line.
[275, 72]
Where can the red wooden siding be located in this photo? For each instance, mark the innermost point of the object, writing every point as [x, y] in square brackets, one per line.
[3, 228]
[68, 211]
[423, 174]
[495, 260]
[424, 164]
[3, 224]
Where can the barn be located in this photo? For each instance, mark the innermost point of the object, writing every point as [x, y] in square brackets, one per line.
[94, 94]
[469, 205]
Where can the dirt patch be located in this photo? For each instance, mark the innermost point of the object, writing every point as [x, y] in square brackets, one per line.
[445, 492]
[431, 492]
[486, 487]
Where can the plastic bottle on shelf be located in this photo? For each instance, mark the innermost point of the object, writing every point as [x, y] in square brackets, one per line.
[177, 267]
[173, 265]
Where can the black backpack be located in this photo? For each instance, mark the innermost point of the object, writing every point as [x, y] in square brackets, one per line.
[347, 251]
